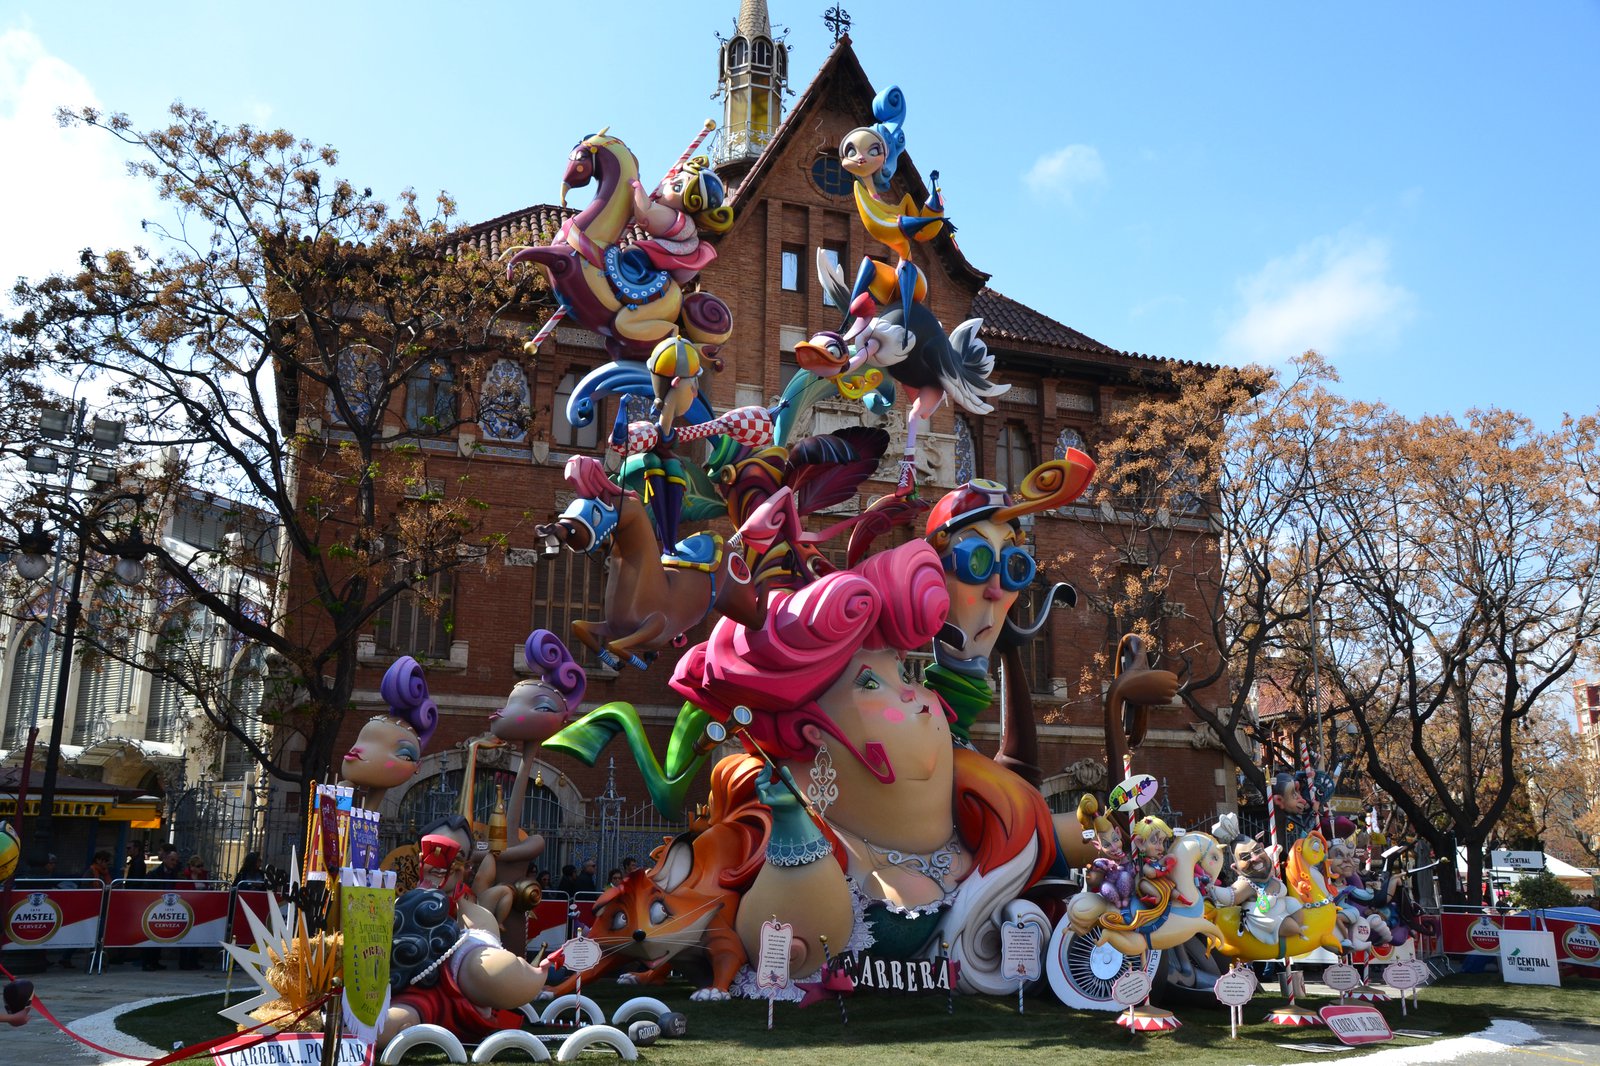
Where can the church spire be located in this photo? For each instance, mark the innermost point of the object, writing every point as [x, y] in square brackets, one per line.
[753, 73]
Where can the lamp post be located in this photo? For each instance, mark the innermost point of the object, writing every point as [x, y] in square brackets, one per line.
[87, 446]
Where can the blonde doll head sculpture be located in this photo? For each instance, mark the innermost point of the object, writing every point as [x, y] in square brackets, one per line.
[937, 840]
[389, 747]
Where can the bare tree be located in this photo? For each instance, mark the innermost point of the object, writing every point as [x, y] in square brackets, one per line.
[1462, 576]
[264, 346]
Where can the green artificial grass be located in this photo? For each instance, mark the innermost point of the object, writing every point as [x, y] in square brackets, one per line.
[899, 1031]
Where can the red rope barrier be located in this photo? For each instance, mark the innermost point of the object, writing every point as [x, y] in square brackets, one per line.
[181, 1053]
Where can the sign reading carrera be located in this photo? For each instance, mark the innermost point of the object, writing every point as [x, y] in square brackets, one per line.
[897, 975]
[286, 1049]
[1356, 1024]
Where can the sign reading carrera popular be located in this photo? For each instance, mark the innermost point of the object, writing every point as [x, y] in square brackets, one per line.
[1356, 1024]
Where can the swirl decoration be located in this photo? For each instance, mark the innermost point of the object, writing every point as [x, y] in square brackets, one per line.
[405, 690]
[1051, 484]
[889, 109]
[549, 657]
[423, 932]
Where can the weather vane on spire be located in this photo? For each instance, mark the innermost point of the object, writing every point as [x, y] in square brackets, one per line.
[837, 20]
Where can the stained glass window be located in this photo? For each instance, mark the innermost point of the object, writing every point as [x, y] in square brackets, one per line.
[361, 379]
[966, 465]
[1070, 438]
[504, 402]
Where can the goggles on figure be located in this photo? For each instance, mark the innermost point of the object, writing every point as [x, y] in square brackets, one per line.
[974, 561]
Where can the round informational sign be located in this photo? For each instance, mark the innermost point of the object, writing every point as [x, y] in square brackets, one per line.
[1341, 977]
[1133, 793]
[1132, 987]
[1235, 988]
[1105, 961]
[1400, 975]
[580, 953]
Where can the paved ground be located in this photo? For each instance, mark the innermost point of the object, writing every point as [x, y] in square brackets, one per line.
[73, 994]
[1557, 1043]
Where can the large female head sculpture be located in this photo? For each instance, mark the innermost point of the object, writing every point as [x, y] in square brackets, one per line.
[539, 706]
[389, 747]
[825, 651]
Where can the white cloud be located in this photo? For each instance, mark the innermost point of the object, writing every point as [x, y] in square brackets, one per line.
[1327, 294]
[1066, 171]
[63, 189]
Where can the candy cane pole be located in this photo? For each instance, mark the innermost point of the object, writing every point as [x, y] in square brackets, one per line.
[1311, 784]
[705, 132]
[549, 327]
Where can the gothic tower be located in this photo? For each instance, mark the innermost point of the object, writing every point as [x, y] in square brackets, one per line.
[752, 76]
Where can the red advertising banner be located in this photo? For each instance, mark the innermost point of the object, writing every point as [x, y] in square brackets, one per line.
[547, 922]
[53, 918]
[1577, 943]
[257, 902]
[156, 918]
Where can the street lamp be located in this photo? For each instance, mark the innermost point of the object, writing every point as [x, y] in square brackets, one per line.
[86, 447]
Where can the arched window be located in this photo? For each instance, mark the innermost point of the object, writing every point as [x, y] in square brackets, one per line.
[504, 402]
[966, 456]
[738, 53]
[763, 53]
[566, 434]
[1013, 458]
[105, 688]
[34, 674]
[245, 691]
[361, 373]
[1070, 438]
[183, 653]
[431, 396]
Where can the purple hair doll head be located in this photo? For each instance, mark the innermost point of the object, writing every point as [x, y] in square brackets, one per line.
[550, 659]
[405, 690]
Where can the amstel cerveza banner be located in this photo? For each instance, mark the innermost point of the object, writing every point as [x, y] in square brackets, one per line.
[158, 918]
[53, 918]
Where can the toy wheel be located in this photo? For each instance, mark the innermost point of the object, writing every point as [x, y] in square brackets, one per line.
[1071, 979]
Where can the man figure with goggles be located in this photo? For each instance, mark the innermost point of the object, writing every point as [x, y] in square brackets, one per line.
[977, 531]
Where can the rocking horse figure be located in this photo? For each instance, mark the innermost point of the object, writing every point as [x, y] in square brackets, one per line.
[618, 292]
[651, 599]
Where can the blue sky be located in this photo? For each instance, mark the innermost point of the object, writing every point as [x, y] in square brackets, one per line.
[1408, 187]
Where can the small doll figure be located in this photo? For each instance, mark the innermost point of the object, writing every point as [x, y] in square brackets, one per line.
[688, 199]
[1151, 838]
[1114, 869]
[675, 369]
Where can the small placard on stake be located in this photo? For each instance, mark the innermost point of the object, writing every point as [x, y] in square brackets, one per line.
[1019, 955]
[772, 966]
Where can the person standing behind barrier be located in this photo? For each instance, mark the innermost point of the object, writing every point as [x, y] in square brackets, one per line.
[166, 872]
[134, 870]
[100, 868]
[250, 876]
[198, 873]
[585, 879]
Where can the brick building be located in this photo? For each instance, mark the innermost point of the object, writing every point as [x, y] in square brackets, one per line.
[790, 199]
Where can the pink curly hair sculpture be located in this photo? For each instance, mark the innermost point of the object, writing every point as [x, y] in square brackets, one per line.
[894, 599]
